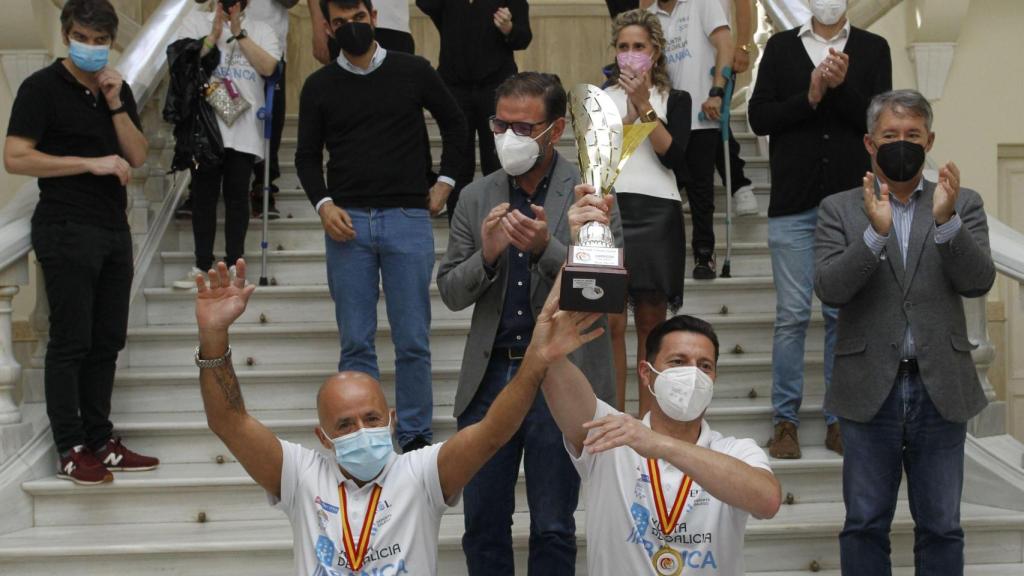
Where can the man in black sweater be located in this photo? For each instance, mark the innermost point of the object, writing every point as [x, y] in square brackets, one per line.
[812, 94]
[367, 109]
[477, 43]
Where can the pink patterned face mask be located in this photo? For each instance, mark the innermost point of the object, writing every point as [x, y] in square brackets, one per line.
[638, 62]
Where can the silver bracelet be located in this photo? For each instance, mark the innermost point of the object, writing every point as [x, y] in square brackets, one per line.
[212, 362]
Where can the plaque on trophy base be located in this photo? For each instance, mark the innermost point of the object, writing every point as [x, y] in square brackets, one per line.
[594, 280]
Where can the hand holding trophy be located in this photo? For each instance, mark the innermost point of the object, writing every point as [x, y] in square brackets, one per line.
[594, 279]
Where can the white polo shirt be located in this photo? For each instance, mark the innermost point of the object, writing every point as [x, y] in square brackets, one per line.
[689, 51]
[403, 537]
[623, 530]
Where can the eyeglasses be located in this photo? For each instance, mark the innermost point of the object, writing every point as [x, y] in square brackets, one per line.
[499, 126]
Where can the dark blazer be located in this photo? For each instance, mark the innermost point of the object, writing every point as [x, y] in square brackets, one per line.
[462, 281]
[879, 296]
[815, 152]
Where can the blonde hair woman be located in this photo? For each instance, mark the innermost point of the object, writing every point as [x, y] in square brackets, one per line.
[647, 192]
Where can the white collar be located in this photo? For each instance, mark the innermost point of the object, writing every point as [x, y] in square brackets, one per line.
[375, 61]
[807, 28]
[657, 9]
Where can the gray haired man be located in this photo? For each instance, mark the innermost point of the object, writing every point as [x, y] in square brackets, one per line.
[896, 256]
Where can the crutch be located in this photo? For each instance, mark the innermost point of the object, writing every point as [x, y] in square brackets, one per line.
[266, 114]
[724, 120]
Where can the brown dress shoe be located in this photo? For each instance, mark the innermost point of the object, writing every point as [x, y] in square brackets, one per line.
[833, 440]
[785, 443]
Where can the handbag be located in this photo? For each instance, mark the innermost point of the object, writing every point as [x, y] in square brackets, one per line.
[222, 95]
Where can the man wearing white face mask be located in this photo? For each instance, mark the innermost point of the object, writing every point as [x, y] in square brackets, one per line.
[811, 98]
[506, 248]
[666, 494]
[367, 510]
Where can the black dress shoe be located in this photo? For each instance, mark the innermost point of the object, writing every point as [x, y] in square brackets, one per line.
[415, 444]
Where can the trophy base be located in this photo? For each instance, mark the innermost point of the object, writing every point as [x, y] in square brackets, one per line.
[594, 287]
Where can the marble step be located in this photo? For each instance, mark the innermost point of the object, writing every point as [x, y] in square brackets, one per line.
[226, 493]
[317, 342]
[310, 301]
[287, 387]
[787, 544]
[183, 437]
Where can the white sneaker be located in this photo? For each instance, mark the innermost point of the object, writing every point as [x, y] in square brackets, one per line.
[189, 281]
[686, 207]
[744, 203]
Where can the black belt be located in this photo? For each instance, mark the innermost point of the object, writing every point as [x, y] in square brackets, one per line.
[907, 366]
[516, 353]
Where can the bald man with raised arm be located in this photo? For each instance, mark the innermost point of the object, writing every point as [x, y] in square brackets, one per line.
[666, 494]
[368, 509]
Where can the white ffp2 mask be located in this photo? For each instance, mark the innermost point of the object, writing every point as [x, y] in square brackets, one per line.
[828, 12]
[682, 392]
[517, 154]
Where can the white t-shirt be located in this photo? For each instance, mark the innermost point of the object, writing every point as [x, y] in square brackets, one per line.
[623, 530]
[689, 51]
[392, 14]
[246, 134]
[273, 14]
[644, 173]
[403, 539]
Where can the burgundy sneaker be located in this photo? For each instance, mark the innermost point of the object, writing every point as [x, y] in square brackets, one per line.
[116, 456]
[81, 467]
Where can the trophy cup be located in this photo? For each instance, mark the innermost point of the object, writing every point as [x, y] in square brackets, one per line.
[594, 279]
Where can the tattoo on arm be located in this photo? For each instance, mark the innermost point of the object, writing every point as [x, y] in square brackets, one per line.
[229, 387]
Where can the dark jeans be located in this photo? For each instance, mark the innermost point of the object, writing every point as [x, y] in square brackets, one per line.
[277, 129]
[233, 177]
[700, 187]
[907, 434]
[477, 105]
[88, 275]
[552, 489]
[736, 164]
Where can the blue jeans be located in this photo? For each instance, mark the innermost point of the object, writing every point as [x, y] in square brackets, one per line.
[907, 434]
[791, 242]
[552, 489]
[393, 247]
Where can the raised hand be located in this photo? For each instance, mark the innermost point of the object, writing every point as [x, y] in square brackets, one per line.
[946, 192]
[110, 81]
[558, 333]
[617, 430]
[503, 20]
[219, 18]
[493, 236]
[818, 86]
[588, 208]
[223, 300]
[637, 90]
[834, 68]
[235, 17]
[527, 234]
[878, 208]
[112, 165]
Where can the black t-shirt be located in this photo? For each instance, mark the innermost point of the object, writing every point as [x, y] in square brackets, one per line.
[65, 118]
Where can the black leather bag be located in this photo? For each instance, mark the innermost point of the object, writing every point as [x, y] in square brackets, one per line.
[198, 142]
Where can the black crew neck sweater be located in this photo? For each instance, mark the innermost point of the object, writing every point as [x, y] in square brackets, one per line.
[373, 128]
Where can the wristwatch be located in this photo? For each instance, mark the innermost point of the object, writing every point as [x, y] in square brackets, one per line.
[212, 362]
[745, 48]
[649, 116]
[241, 34]
[118, 110]
[716, 92]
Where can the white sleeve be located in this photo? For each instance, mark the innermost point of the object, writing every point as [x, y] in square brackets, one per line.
[585, 462]
[423, 463]
[266, 38]
[295, 460]
[711, 16]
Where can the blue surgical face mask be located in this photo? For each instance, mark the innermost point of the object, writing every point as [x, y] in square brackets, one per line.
[88, 58]
[364, 453]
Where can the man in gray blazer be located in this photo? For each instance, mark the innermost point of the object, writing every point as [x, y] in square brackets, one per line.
[508, 242]
[896, 257]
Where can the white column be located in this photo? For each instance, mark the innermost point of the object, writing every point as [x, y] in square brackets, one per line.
[992, 420]
[10, 370]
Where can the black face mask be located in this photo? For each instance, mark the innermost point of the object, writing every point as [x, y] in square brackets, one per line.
[900, 161]
[354, 38]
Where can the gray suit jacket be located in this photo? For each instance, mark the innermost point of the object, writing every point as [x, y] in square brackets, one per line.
[463, 282]
[878, 296]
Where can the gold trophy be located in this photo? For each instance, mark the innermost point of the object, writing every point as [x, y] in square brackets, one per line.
[594, 279]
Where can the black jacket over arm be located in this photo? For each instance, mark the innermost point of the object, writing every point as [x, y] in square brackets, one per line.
[816, 152]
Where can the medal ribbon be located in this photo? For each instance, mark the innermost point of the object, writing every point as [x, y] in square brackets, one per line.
[667, 519]
[356, 554]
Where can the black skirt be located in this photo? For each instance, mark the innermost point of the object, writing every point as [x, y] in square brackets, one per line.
[655, 249]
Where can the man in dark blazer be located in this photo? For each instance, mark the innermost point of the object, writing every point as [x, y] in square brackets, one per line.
[507, 245]
[896, 256]
[813, 89]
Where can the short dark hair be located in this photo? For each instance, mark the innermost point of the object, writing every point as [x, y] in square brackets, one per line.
[538, 85]
[680, 323]
[96, 14]
[343, 4]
